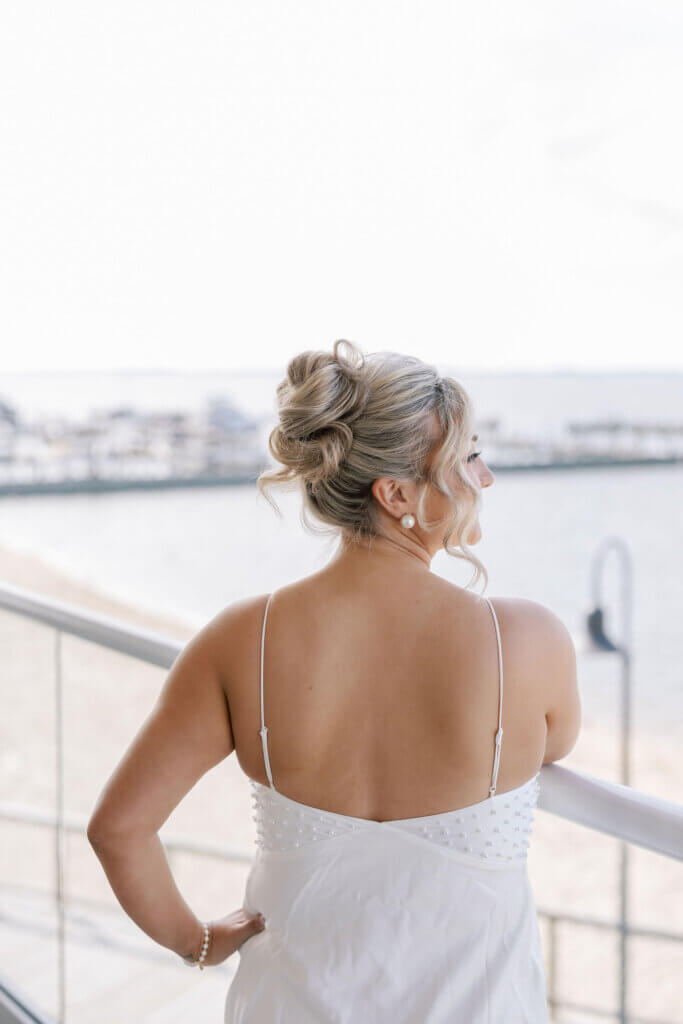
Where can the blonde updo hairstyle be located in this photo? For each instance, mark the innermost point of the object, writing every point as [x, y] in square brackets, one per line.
[346, 419]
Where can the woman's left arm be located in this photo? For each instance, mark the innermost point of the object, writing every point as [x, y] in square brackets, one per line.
[187, 732]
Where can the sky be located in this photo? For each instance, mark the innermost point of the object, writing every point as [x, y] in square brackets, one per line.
[206, 185]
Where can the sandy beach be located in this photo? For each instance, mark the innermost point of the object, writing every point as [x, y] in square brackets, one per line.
[573, 870]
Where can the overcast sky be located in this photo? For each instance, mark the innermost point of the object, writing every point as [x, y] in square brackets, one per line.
[201, 184]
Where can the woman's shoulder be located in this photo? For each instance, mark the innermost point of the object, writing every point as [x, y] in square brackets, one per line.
[533, 637]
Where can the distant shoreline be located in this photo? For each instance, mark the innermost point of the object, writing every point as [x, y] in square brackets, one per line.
[99, 485]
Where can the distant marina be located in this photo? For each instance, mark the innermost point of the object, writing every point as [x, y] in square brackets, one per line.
[124, 448]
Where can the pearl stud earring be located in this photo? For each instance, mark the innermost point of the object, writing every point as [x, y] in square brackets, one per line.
[408, 520]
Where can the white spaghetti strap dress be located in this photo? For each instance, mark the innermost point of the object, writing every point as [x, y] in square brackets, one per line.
[427, 920]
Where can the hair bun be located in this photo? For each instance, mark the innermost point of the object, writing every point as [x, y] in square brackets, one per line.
[347, 419]
[321, 396]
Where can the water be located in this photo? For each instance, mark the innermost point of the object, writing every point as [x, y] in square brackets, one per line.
[189, 553]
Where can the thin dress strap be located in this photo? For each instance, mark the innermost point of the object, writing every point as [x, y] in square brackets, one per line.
[264, 729]
[499, 734]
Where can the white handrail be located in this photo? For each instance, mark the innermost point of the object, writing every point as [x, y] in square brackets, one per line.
[612, 808]
[117, 635]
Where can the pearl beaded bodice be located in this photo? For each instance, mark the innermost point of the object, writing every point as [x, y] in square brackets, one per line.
[496, 829]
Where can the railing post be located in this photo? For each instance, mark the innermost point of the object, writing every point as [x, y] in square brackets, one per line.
[552, 963]
[623, 648]
[59, 832]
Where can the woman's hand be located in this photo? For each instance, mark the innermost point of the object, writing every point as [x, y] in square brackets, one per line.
[230, 932]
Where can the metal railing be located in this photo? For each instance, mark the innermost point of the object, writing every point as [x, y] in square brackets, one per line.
[15, 1009]
[611, 808]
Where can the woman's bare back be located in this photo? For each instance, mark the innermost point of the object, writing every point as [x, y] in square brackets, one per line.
[381, 693]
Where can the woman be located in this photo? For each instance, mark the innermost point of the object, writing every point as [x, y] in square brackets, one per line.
[365, 704]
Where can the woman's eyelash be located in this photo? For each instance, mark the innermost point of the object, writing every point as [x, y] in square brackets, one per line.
[473, 456]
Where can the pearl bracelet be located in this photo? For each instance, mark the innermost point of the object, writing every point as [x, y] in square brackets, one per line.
[190, 961]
